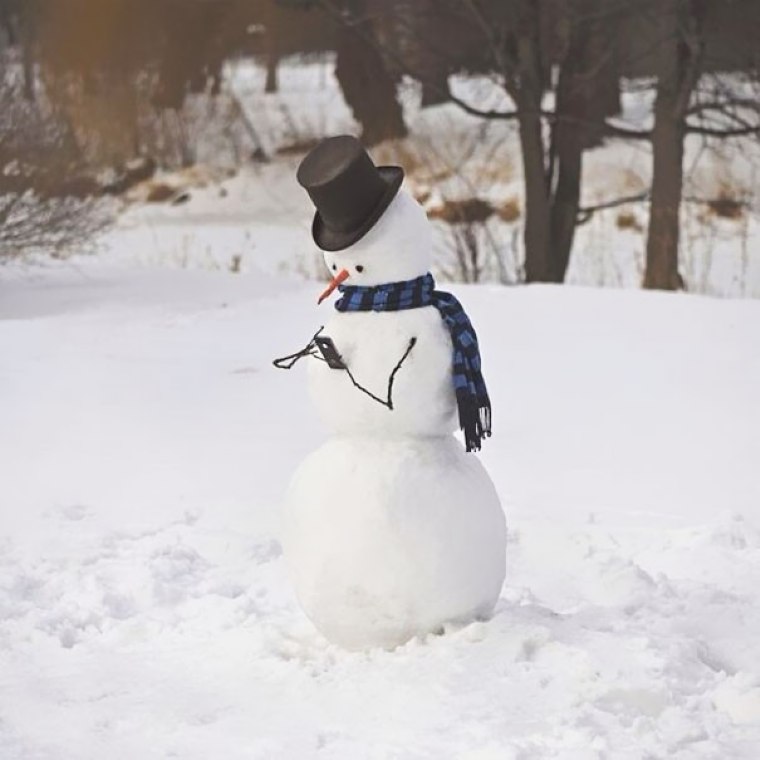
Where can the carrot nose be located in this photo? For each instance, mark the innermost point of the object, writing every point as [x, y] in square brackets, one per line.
[342, 275]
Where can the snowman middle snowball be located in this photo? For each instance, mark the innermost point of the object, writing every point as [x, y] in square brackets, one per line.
[390, 529]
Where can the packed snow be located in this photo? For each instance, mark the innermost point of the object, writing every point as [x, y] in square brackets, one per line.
[146, 445]
[390, 538]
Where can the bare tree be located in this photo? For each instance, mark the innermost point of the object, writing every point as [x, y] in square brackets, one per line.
[367, 83]
[680, 59]
[693, 97]
[519, 43]
[46, 204]
[579, 50]
[51, 226]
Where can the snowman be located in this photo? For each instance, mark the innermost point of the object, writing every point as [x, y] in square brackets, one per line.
[391, 529]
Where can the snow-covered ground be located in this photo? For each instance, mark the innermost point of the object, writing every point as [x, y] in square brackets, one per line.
[145, 445]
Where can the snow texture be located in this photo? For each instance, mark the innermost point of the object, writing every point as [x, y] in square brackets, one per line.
[387, 539]
[145, 611]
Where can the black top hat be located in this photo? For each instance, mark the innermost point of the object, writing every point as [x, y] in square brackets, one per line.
[349, 191]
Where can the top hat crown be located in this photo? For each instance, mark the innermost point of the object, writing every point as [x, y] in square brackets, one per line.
[350, 193]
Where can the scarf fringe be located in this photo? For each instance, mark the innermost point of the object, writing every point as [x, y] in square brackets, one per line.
[474, 421]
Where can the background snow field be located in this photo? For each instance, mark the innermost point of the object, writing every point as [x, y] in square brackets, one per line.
[145, 446]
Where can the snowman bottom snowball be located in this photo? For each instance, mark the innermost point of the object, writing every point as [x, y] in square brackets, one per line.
[413, 538]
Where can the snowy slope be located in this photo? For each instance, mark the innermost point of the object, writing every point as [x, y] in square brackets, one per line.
[145, 445]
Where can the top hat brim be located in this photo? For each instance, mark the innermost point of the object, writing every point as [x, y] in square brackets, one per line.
[334, 240]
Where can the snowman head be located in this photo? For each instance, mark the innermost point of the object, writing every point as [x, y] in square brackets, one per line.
[399, 247]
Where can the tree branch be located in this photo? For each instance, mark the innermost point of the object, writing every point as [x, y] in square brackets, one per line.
[694, 129]
[613, 130]
[721, 106]
[483, 114]
[586, 212]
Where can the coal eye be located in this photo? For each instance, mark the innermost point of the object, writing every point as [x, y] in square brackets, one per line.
[359, 268]
[334, 267]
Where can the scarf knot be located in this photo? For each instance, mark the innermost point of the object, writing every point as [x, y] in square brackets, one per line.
[473, 403]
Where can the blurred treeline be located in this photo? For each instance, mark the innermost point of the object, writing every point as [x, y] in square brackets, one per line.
[92, 90]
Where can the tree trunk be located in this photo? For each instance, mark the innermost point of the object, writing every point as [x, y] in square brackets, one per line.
[411, 31]
[584, 99]
[566, 159]
[680, 59]
[565, 202]
[662, 240]
[553, 183]
[367, 85]
[27, 55]
[271, 84]
[537, 233]
[272, 60]
[6, 22]
[527, 90]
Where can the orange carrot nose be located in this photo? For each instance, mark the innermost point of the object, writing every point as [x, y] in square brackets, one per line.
[333, 284]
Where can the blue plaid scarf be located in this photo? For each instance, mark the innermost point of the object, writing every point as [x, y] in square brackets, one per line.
[470, 388]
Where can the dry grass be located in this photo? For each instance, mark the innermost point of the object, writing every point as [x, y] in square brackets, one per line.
[627, 220]
[458, 162]
[201, 175]
[235, 263]
[174, 187]
[467, 211]
[160, 192]
[298, 147]
[726, 205]
[411, 156]
[509, 211]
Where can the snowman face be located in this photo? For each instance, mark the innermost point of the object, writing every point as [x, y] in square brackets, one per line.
[398, 247]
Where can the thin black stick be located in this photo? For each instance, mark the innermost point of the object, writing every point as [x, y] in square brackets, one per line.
[287, 362]
[389, 401]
